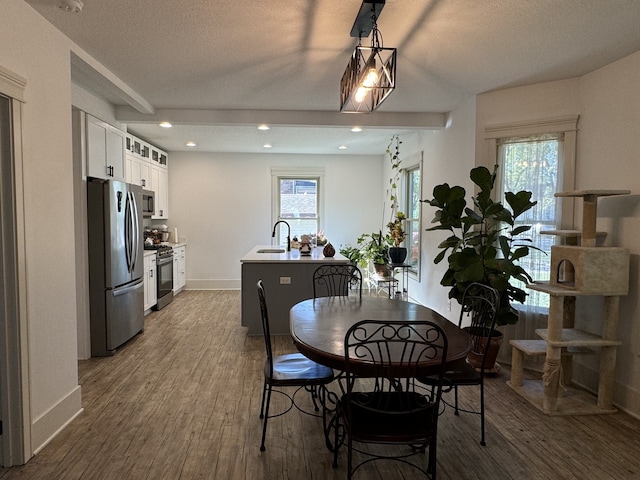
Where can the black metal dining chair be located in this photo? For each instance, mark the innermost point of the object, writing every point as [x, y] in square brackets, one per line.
[336, 280]
[480, 303]
[288, 370]
[390, 409]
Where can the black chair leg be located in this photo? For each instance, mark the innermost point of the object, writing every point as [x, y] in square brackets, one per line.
[266, 418]
[455, 393]
[264, 392]
[314, 397]
[482, 442]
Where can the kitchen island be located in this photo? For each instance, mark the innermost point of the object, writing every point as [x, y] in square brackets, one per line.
[287, 278]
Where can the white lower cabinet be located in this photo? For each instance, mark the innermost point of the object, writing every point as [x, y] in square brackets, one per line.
[179, 268]
[150, 282]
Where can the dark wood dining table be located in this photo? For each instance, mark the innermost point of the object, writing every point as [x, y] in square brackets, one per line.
[318, 326]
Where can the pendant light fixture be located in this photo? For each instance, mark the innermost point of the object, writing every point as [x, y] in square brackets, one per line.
[370, 76]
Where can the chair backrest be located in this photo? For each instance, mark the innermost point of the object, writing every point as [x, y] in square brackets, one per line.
[480, 303]
[336, 280]
[399, 351]
[265, 324]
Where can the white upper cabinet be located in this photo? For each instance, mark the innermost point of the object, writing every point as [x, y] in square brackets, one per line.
[148, 166]
[105, 150]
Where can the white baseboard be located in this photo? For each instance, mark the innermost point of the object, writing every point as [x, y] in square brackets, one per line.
[52, 422]
[213, 284]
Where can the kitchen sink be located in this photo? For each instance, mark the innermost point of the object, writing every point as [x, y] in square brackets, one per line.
[271, 250]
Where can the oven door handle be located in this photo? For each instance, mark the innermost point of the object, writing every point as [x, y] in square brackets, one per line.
[163, 260]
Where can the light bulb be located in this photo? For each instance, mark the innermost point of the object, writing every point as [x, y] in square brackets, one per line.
[371, 78]
[361, 94]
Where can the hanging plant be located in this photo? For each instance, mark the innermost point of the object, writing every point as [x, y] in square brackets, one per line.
[393, 151]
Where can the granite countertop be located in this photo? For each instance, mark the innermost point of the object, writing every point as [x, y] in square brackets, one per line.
[293, 256]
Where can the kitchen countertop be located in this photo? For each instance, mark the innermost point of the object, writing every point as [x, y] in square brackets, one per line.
[172, 245]
[293, 256]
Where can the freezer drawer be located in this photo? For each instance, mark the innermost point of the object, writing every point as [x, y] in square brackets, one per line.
[123, 319]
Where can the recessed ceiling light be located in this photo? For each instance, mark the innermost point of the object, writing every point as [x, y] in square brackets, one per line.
[263, 127]
[267, 145]
[342, 147]
[192, 144]
[165, 125]
[356, 129]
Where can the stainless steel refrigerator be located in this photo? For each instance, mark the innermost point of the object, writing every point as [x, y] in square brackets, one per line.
[116, 291]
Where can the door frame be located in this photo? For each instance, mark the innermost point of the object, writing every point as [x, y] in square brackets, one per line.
[14, 362]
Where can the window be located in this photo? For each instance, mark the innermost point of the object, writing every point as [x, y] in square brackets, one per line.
[534, 163]
[412, 196]
[538, 156]
[297, 201]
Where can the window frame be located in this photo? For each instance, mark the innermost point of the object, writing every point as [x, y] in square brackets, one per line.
[278, 173]
[415, 164]
[567, 127]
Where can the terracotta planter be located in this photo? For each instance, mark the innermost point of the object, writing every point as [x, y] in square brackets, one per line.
[474, 357]
[382, 269]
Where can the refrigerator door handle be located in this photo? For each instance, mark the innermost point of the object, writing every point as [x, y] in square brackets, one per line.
[136, 231]
[126, 289]
[128, 231]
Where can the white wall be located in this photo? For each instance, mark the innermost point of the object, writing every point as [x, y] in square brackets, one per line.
[448, 156]
[609, 158]
[221, 203]
[608, 149]
[32, 48]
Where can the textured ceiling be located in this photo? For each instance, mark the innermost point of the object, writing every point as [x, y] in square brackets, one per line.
[289, 55]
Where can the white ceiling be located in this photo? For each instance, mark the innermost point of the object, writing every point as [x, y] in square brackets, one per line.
[217, 68]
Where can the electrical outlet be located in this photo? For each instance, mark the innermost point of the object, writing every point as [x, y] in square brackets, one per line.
[449, 305]
[285, 280]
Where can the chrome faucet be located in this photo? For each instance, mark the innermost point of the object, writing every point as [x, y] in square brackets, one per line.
[273, 234]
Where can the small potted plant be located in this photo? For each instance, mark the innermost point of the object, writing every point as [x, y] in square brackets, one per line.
[374, 247]
[397, 254]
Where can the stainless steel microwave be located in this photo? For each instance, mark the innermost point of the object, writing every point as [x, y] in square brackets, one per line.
[148, 203]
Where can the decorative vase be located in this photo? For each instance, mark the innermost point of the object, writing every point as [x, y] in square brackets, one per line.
[397, 255]
[328, 250]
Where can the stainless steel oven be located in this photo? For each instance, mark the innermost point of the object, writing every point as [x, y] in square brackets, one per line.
[164, 274]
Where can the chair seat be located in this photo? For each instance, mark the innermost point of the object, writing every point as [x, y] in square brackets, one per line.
[409, 413]
[295, 369]
[464, 374]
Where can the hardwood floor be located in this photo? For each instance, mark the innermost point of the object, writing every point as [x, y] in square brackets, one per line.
[181, 401]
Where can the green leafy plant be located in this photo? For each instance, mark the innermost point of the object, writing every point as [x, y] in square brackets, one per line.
[396, 229]
[393, 151]
[352, 253]
[485, 245]
[374, 247]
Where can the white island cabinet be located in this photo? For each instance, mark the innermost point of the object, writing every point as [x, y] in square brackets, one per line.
[287, 278]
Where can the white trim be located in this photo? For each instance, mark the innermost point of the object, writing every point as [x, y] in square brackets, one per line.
[12, 84]
[535, 127]
[54, 420]
[14, 364]
[297, 172]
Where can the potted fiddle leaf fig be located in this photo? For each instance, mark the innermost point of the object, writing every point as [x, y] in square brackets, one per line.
[484, 244]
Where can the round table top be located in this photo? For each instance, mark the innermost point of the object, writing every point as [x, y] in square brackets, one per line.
[318, 326]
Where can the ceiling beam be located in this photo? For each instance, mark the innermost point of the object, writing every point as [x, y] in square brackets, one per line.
[297, 118]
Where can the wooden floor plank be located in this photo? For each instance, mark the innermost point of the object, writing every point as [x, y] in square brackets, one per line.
[181, 401]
